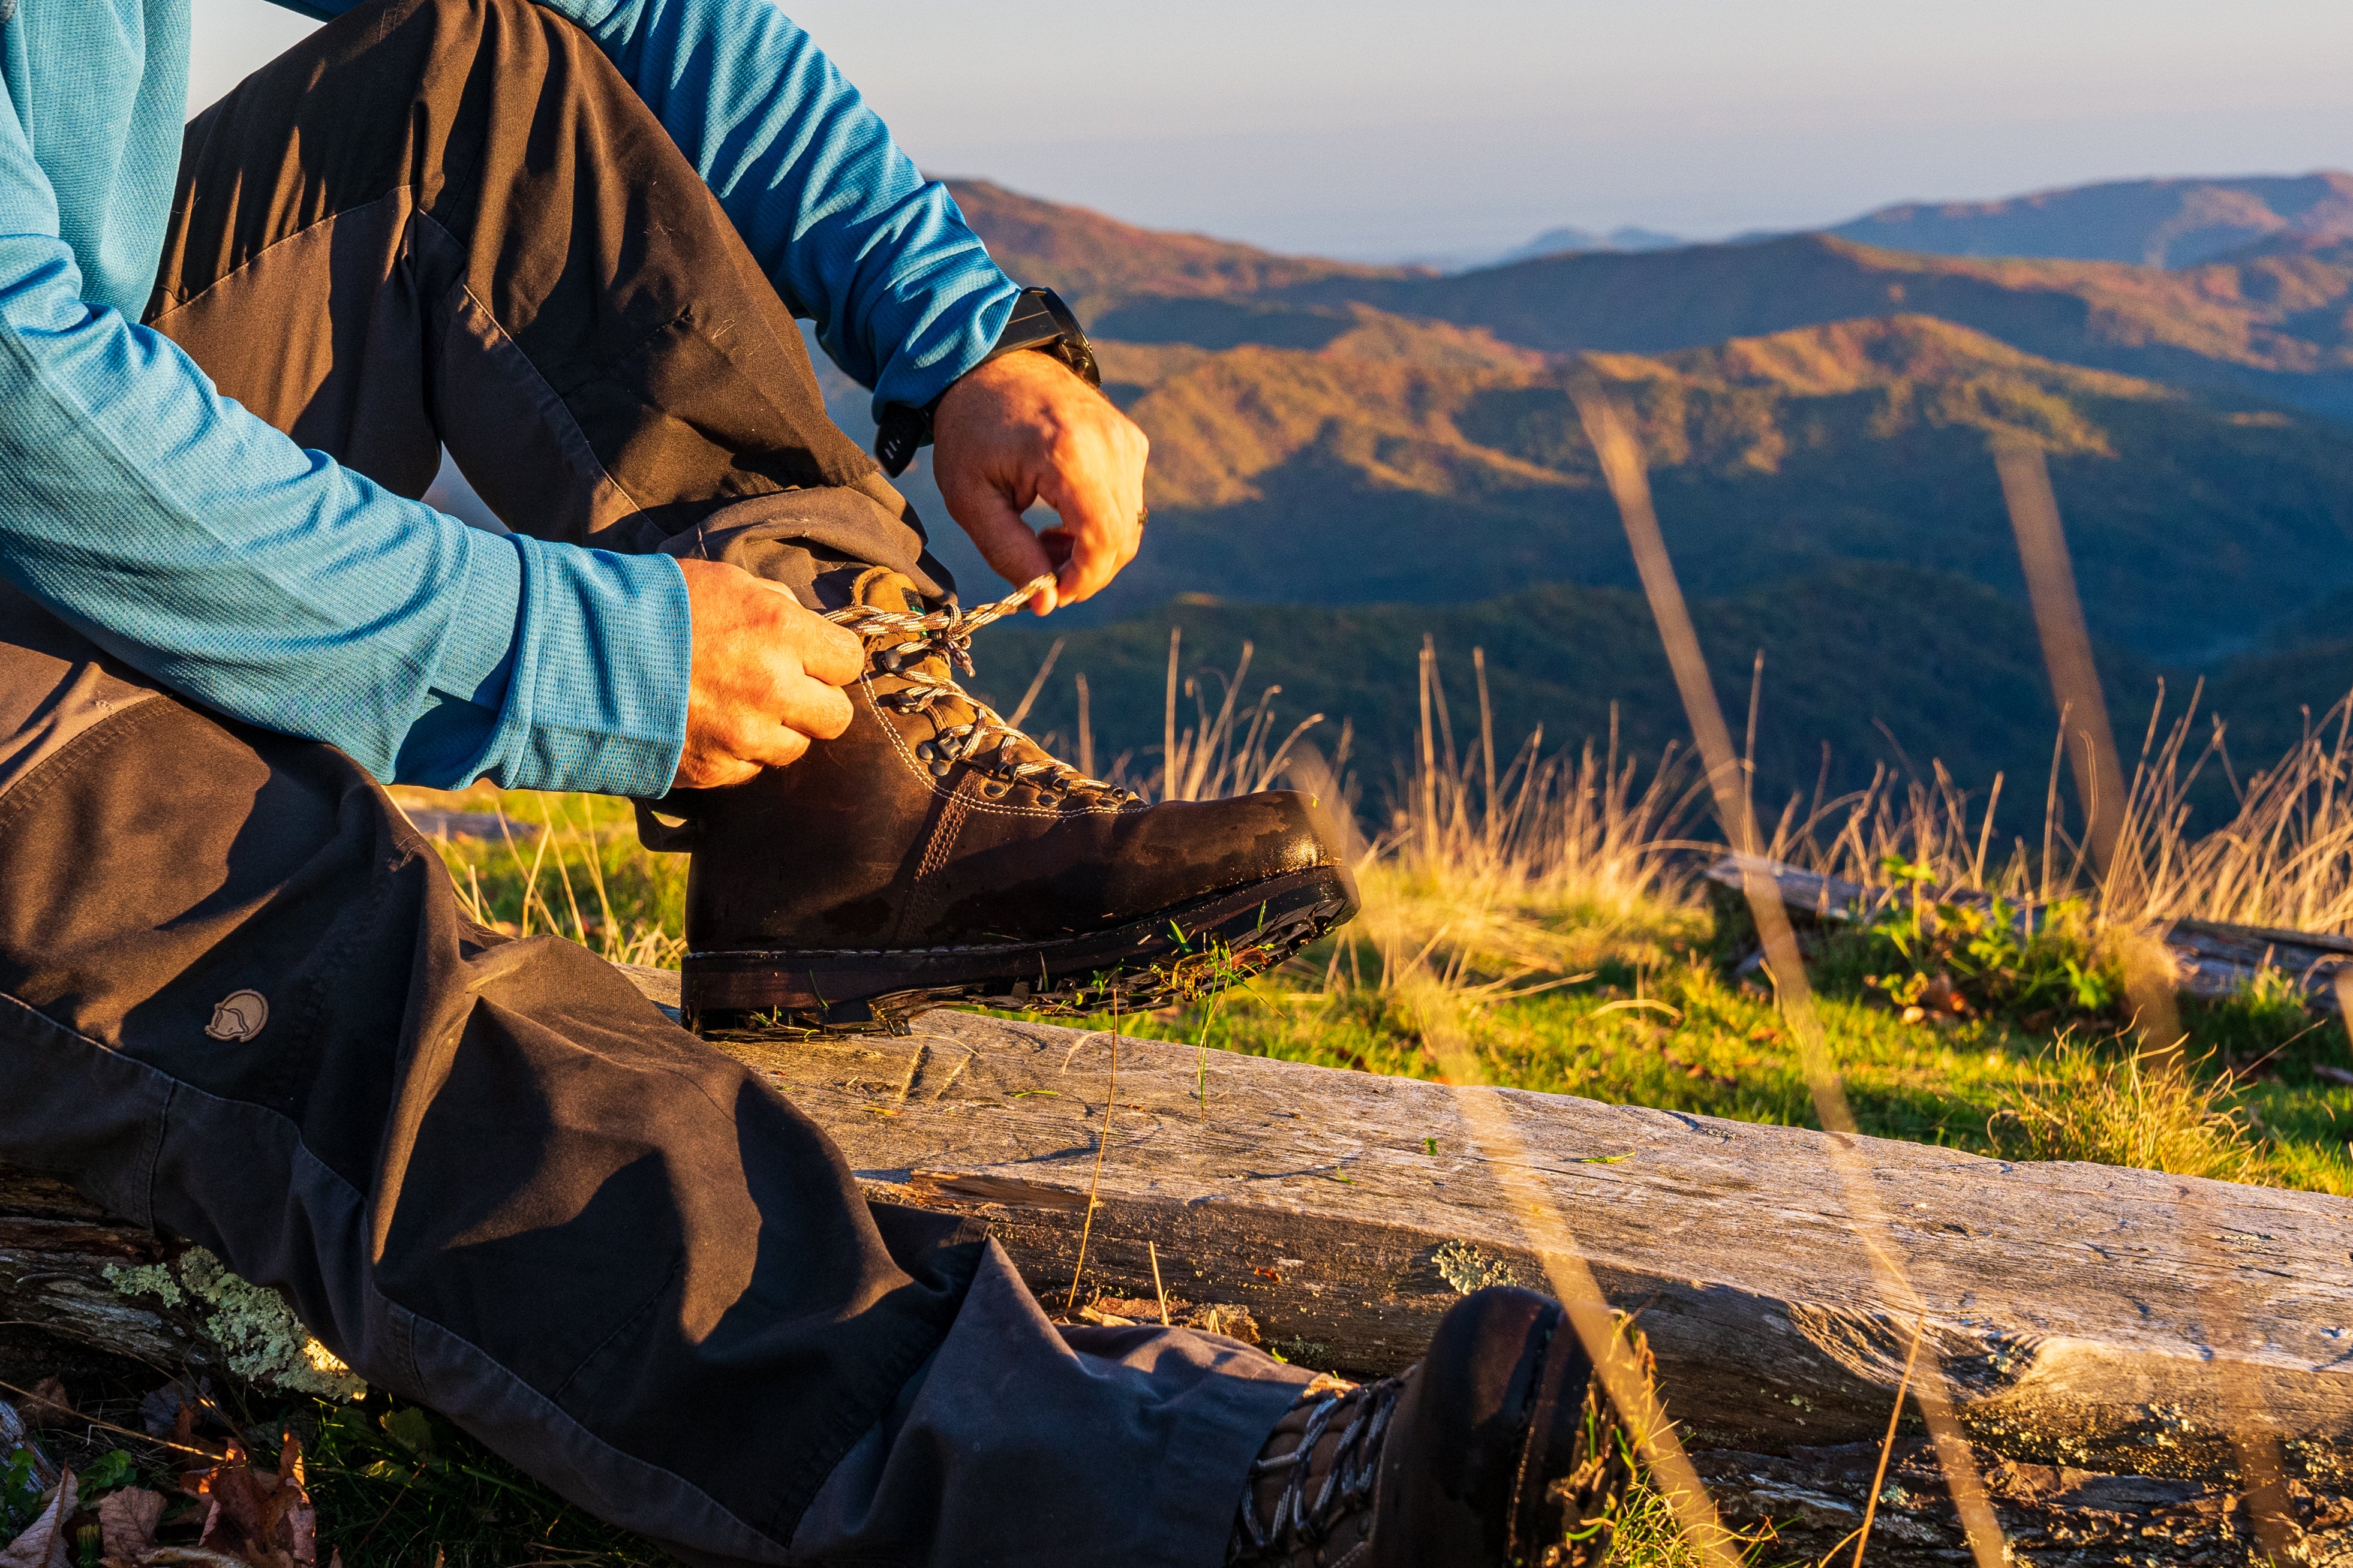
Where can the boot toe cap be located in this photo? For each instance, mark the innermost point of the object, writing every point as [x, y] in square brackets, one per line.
[1200, 846]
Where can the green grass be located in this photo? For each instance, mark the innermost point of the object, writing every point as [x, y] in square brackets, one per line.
[1665, 1026]
[570, 864]
[395, 1485]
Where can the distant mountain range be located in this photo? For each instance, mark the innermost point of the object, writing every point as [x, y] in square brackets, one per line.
[1346, 456]
[2276, 324]
[1554, 242]
[2153, 223]
[2150, 222]
[1093, 259]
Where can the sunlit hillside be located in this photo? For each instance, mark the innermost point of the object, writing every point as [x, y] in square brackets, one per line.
[1425, 462]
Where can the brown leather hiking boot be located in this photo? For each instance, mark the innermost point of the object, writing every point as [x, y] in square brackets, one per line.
[933, 854]
[1498, 1450]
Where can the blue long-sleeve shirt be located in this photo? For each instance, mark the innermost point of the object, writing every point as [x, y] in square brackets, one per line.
[205, 548]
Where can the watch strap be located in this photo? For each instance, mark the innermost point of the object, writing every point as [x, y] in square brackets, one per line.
[1041, 320]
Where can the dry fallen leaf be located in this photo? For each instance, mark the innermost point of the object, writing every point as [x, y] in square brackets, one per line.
[43, 1543]
[127, 1520]
[49, 1406]
[259, 1518]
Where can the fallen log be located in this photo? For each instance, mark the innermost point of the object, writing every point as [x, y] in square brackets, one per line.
[2211, 958]
[2096, 1323]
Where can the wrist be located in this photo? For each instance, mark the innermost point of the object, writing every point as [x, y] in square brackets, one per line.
[1041, 322]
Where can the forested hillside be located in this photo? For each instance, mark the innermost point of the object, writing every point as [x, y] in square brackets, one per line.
[1345, 458]
[1406, 461]
[1948, 667]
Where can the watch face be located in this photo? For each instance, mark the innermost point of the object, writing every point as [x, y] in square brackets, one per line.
[1073, 350]
[1042, 321]
[1071, 346]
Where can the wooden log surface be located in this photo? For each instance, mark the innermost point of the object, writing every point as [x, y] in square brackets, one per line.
[2096, 1323]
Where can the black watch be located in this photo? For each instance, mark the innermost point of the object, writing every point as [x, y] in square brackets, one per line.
[1041, 322]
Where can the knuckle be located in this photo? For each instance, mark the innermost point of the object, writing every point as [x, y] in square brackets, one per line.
[741, 736]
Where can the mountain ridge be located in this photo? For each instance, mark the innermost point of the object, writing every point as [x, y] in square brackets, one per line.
[2168, 223]
[1091, 257]
[2274, 321]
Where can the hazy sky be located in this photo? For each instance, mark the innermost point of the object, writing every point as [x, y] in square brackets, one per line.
[1380, 130]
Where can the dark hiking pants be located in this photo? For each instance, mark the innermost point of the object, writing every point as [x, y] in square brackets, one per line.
[487, 1173]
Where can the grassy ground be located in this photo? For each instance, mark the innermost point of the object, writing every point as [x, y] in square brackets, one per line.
[1655, 1019]
[530, 864]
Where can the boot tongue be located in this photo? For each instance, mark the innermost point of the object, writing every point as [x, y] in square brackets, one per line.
[880, 588]
[892, 660]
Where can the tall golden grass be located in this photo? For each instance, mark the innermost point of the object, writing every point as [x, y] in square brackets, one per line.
[1488, 866]
[2285, 858]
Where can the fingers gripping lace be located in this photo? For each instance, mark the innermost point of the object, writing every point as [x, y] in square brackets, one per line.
[1298, 1520]
[899, 641]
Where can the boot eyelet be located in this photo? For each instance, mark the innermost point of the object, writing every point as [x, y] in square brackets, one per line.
[926, 750]
[996, 791]
[939, 769]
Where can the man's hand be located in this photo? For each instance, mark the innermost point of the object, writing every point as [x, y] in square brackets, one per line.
[1023, 429]
[764, 678]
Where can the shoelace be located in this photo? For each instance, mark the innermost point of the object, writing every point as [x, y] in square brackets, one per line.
[1299, 1521]
[990, 742]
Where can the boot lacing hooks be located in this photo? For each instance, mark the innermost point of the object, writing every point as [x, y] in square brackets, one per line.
[990, 742]
[1298, 1520]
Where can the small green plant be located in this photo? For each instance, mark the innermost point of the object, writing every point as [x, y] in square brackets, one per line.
[20, 1492]
[110, 1472]
[1959, 957]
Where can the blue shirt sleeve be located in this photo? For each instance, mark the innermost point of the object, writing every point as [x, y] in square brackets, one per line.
[207, 550]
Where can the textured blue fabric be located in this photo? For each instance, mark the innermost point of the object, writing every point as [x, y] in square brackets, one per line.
[207, 550]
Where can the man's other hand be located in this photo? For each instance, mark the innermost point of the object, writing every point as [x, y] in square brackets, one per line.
[1023, 429]
[764, 678]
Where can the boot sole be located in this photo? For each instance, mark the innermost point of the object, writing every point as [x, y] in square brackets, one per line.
[1166, 957]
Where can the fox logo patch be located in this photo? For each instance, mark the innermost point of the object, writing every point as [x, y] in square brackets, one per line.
[240, 1014]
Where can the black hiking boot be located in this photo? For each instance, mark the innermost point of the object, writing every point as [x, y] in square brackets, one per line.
[1498, 1450]
[933, 854]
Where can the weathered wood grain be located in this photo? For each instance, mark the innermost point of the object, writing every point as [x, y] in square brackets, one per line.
[55, 1249]
[2090, 1315]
